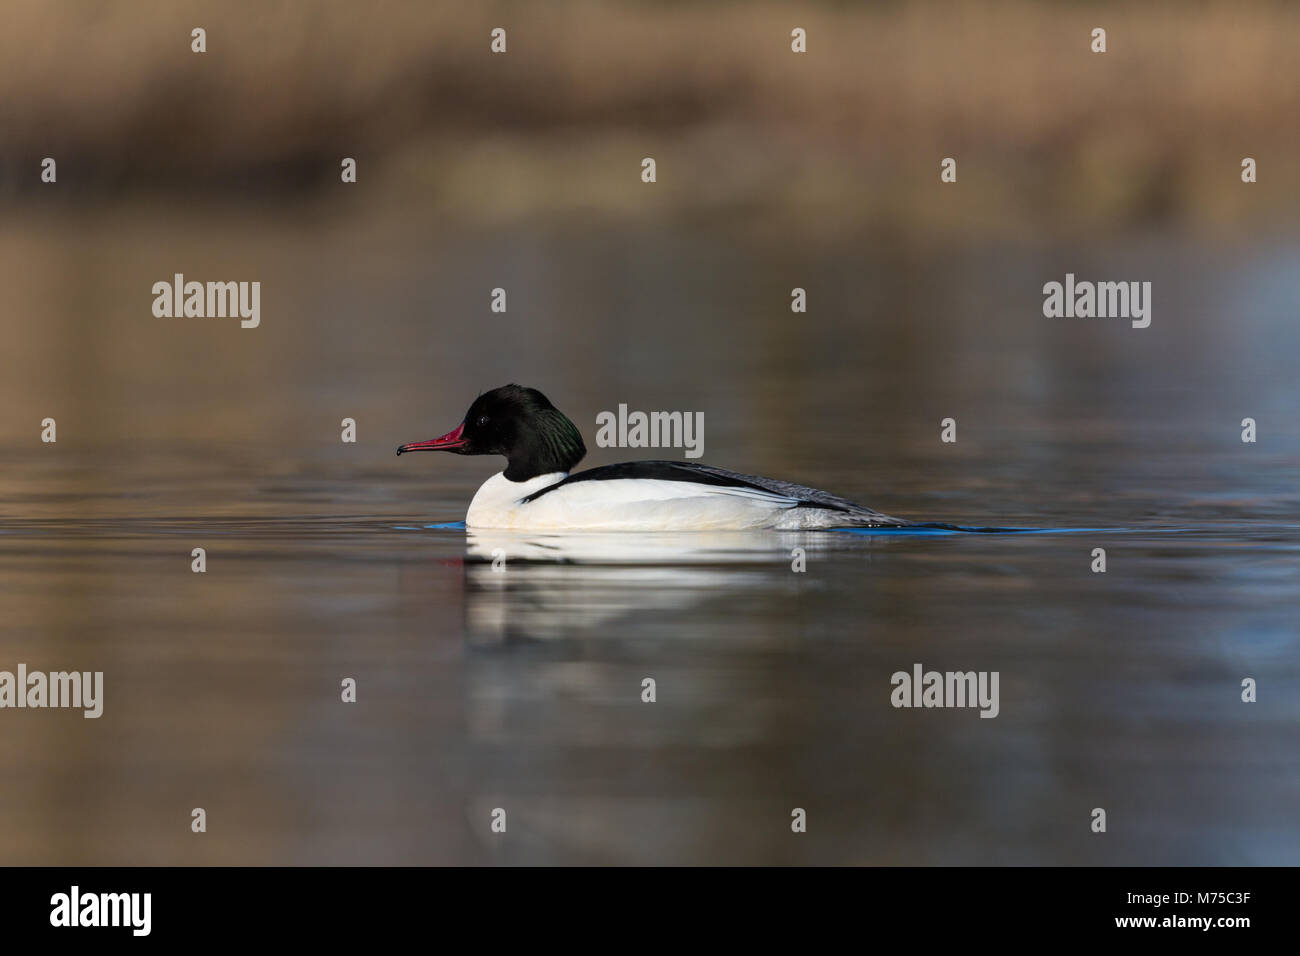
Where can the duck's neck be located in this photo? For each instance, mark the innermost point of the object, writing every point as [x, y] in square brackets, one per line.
[553, 444]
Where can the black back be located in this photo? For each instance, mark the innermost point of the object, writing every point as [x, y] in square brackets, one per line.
[708, 475]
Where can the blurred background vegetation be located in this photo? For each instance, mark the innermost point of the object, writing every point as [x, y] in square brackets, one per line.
[1048, 135]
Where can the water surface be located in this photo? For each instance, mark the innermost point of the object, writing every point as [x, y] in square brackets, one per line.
[521, 688]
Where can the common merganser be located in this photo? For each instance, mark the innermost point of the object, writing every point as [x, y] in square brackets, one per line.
[536, 492]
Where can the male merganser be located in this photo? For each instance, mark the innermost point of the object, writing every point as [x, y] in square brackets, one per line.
[537, 493]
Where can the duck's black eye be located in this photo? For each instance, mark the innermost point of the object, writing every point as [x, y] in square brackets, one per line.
[482, 419]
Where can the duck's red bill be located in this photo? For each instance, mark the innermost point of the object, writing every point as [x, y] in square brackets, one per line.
[448, 442]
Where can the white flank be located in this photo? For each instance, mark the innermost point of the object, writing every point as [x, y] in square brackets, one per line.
[637, 504]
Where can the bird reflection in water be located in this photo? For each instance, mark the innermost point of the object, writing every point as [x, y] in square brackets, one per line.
[531, 586]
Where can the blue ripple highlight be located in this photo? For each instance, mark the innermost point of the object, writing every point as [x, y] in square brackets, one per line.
[932, 532]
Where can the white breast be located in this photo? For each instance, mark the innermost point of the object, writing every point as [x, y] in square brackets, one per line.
[629, 504]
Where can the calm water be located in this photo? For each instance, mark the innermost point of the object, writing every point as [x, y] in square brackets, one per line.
[521, 689]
